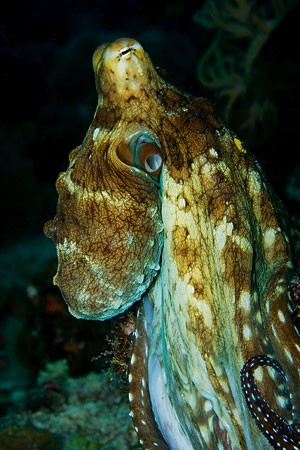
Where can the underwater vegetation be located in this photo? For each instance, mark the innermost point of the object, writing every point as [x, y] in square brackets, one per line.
[234, 68]
[65, 413]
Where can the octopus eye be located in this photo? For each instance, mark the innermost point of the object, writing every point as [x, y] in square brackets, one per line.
[143, 152]
[150, 158]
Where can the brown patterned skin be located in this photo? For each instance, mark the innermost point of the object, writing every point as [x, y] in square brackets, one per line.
[162, 199]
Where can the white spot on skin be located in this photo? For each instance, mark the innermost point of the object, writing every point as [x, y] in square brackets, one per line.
[67, 247]
[222, 232]
[224, 384]
[140, 278]
[207, 170]
[280, 289]
[237, 416]
[289, 355]
[213, 152]
[191, 289]
[245, 300]
[272, 374]
[130, 238]
[255, 183]
[130, 396]
[207, 406]
[130, 378]
[269, 237]
[242, 242]
[205, 310]
[181, 203]
[258, 317]
[132, 360]
[281, 401]
[96, 134]
[259, 373]
[274, 331]
[247, 333]
[105, 194]
[281, 316]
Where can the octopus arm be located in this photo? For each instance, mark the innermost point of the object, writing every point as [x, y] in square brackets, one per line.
[278, 431]
[140, 404]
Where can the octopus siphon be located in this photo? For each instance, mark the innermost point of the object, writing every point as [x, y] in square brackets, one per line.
[162, 205]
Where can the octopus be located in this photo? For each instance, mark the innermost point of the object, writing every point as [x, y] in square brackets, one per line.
[162, 205]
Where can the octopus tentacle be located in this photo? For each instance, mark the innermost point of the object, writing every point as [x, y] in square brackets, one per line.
[278, 432]
[139, 400]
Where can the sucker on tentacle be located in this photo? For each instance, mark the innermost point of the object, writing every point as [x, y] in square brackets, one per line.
[280, 434]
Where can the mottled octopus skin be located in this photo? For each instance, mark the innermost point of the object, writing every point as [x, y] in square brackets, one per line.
[202, 237]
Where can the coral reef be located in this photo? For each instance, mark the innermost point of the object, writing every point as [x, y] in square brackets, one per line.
[89, 412]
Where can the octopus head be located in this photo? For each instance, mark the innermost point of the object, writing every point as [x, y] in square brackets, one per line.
[108, 227]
